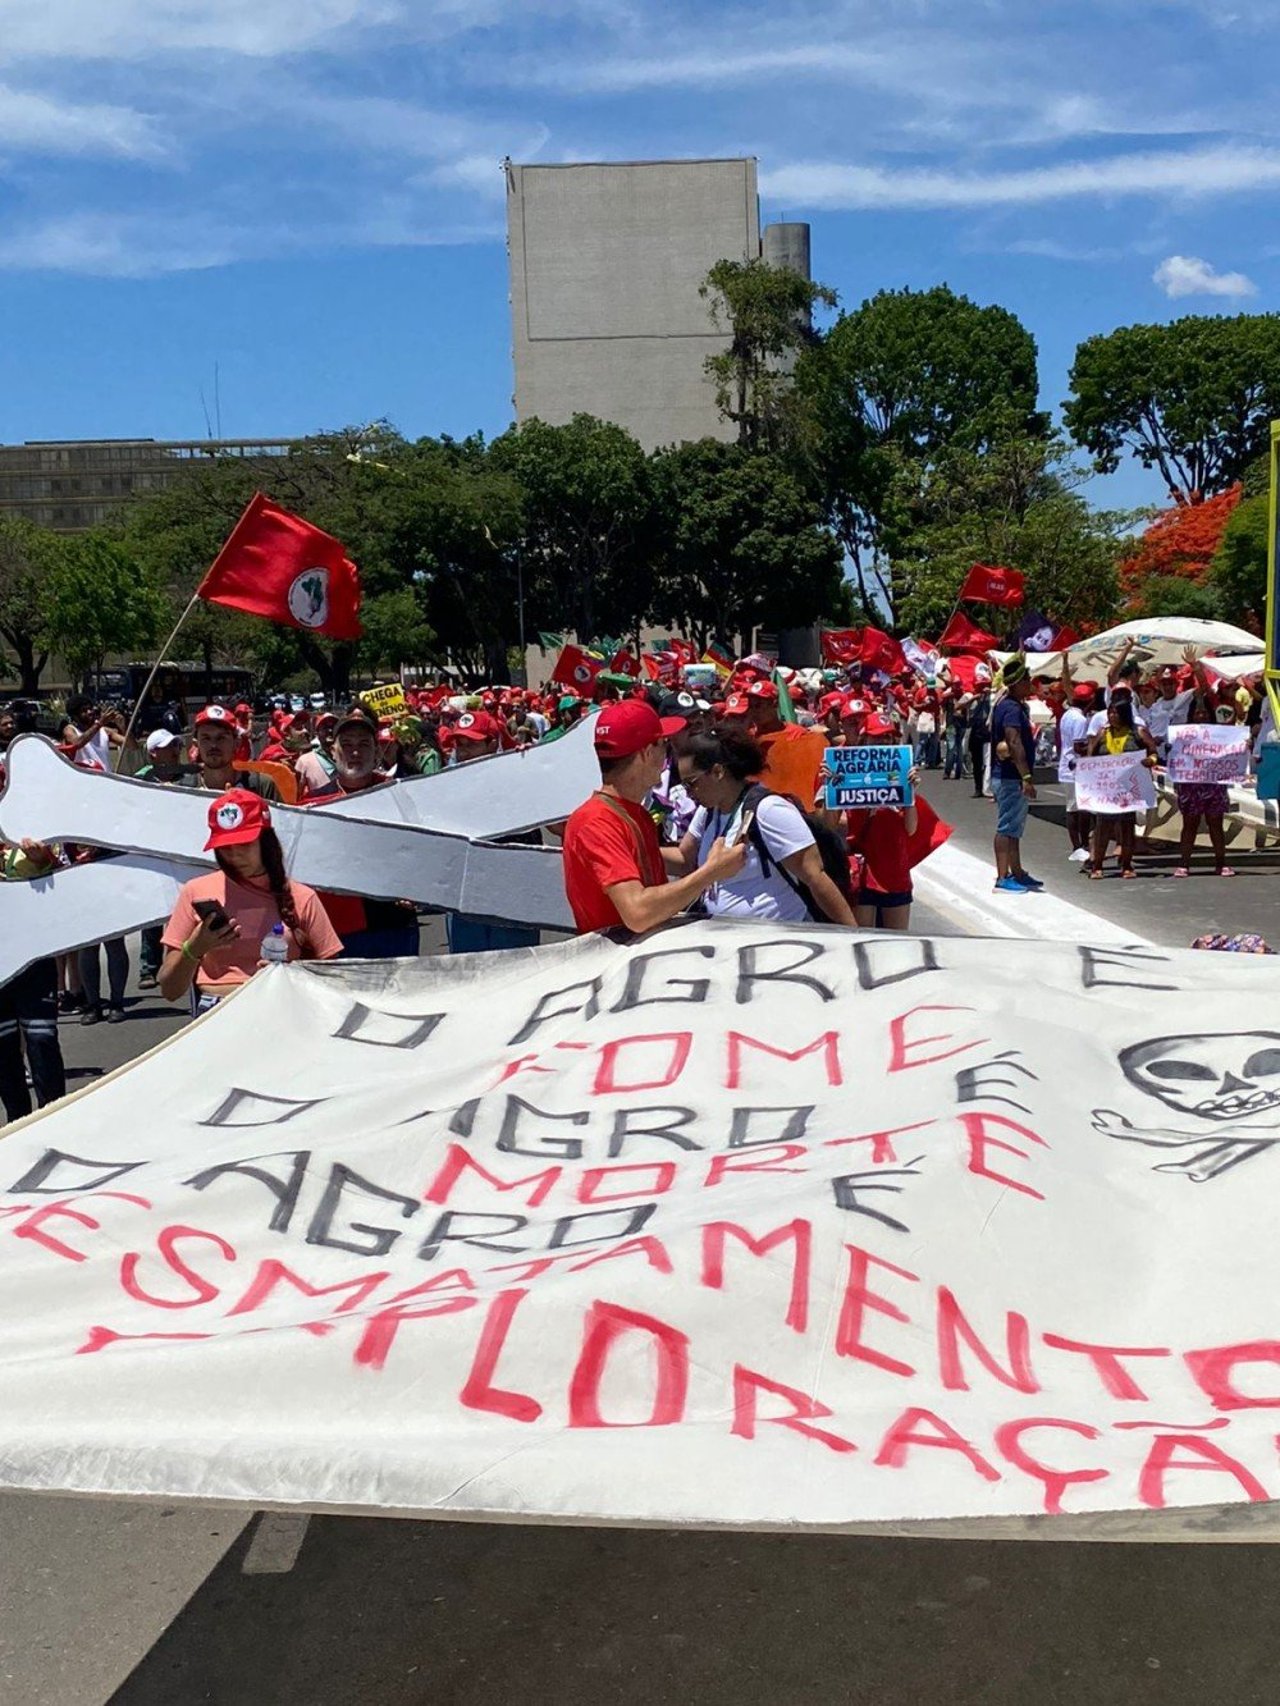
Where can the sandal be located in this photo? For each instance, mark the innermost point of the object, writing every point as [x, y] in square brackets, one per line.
[1182, 871]
[1096, 876]
[1128, 872]
[1226, 871]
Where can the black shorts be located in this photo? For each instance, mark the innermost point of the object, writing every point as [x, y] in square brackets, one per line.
[883, 902]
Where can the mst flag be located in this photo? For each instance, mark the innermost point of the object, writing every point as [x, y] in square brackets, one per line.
[575, 669]
[279, 566]
[881, 651]
[840, 645]
[987, 584]
[962, 635]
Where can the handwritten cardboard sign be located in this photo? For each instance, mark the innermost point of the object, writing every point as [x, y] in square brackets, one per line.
[1208, 752]
[387, 700]
[867, 776]
[734, 1225]
[1112, 785]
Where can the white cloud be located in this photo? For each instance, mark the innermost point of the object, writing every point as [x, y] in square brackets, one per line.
[38, 124]
[133, 245]
[144, 29]
[1187, 275]
[1197, 172]
[694, 67]
[107, 245]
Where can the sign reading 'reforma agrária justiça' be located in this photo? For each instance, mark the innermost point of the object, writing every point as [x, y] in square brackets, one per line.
[737, 1224]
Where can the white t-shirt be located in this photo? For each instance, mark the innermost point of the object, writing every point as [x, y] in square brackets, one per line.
[751, 894]
[1163, 714]
[1073, 727]
[95, 754]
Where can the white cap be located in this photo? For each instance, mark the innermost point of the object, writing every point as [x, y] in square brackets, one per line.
[159, 738]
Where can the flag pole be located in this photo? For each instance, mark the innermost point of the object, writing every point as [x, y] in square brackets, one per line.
[155, 670]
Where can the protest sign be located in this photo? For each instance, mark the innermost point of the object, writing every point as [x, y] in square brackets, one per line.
[734, 1225]
[1208, 752]
[1113, 785]
[861, 776]
[386, 700]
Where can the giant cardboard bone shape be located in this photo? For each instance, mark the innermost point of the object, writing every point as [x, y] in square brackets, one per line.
[385, 851]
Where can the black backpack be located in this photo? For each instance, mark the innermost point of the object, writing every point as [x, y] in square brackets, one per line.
[830, 844]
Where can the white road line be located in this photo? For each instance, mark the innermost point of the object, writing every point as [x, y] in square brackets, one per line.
[960, 885]
[276, 1543]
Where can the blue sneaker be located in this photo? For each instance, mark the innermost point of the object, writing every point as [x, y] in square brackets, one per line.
[1028, 882]
[1008, 885]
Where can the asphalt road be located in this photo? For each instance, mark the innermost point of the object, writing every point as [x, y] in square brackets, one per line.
[145, 1605]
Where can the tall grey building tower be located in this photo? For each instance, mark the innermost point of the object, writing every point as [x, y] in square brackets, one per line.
[606, 263]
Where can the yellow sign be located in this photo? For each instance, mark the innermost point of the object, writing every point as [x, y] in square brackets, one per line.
[387, 700]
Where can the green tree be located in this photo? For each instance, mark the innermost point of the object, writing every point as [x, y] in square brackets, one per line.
[454, 529]
[1238, 573]
[905, 377]
[743, 545]
[1193, 399]
[768, 313]
[100, 601]
[26, 555]
[1017, 504]
[588, 524]
[1174, 595]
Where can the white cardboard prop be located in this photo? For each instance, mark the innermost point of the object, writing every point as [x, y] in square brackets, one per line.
[49, 799]
[735, 1225]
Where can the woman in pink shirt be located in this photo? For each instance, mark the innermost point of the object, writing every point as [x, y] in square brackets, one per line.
[214, 935]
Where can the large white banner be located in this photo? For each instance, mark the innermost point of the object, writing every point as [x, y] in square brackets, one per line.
[739, 1225]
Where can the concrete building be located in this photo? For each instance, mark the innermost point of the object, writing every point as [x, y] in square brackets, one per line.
[606, 262]
[77, 484]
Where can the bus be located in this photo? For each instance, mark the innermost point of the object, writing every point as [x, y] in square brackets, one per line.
[186, 685]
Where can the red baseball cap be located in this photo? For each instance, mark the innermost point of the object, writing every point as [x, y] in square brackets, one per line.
[878, 726]
[831, 702]
[736, 705]
[629, 725]
[476, 725]
[762, 690]
[1083, 692]
[235, 818]
[216, 714]
[852, 707]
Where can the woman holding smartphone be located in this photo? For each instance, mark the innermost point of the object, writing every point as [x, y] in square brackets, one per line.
[213, 940]
[782, 877]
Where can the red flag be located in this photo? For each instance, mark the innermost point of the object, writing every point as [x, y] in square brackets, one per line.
[575, 670]
[684, 651]
[991, 585]
[276, 565]
[841, 645]
[625, 663]
[652, 666]
[931, 832]
[881, 651]
[962, 635]
[1066, 636]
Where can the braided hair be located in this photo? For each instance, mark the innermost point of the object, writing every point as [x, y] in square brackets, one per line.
[273, 864]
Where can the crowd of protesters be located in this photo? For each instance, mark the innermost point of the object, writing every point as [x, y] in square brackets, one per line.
[711, 801]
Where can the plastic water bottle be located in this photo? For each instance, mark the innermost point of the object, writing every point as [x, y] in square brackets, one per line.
[275, 950]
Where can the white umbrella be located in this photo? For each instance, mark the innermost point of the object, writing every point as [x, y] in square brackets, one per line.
[1158, 641]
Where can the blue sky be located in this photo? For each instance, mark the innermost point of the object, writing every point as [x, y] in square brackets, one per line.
[307, 193]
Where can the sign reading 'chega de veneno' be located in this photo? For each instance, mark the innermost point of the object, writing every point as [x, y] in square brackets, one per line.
[735, 1225]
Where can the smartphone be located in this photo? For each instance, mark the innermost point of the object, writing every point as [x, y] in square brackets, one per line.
[744, 828]
[212, 914]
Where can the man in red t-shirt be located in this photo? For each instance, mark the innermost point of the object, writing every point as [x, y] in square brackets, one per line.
[615, 870]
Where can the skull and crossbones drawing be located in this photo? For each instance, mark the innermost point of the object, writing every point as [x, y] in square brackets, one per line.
[1230, 1082]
